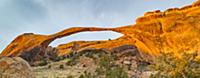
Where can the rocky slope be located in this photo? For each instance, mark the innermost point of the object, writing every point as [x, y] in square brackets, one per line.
[123, 59]
[15, 68]
[174, 30]
[90, 61]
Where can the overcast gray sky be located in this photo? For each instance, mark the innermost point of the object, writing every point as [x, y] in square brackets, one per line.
[50, 16]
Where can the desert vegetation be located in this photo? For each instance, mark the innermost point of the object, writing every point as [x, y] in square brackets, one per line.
[123, 62]
[106, 68]
[169, 66]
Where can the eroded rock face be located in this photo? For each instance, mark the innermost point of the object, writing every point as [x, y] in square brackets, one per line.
[174, 30]
[33, 46]
[14, 67]
[31, 54]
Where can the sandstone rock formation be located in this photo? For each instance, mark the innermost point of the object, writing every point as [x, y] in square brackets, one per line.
[30, 46]
[14, 68]
[174, 30]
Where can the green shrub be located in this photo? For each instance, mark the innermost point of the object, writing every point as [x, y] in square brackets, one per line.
[88, 75]
[169, 66]
[61, 66]
[74, 59]
[42, 63]
[49, 66]
[106, 68]
[70, 76]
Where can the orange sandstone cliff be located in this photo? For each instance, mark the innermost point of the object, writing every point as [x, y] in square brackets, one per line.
[174, 30]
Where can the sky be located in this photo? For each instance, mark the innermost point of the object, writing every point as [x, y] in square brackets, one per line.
[50, 16]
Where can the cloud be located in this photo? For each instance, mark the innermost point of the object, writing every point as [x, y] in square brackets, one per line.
[15, 14]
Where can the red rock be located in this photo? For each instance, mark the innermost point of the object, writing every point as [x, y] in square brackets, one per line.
[174, 30]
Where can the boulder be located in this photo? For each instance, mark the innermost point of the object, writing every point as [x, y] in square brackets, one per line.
[14, 67]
